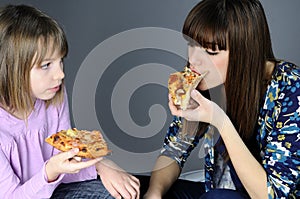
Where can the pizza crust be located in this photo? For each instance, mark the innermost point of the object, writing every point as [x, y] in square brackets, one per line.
[181, 84]
[90, 143]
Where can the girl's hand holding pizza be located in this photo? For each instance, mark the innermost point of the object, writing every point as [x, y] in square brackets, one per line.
[206, 110]
[66, 162]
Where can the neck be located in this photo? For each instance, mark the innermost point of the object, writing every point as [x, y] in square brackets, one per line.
[270, 67]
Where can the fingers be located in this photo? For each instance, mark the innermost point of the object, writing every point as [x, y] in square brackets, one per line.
[70, 154]
[130, 189]
[174, 110]
[136, 185]
[133, 187]
[75, 163]
[127, 187]
[192, 104]
[196, 95]
[113, 191]
[85, 164]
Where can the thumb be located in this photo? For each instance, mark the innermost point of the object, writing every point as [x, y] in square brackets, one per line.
[71, 153]
[196, 95]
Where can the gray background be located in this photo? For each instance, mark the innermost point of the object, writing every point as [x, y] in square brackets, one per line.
[89, 23]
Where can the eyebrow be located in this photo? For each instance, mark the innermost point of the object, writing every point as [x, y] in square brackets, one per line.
[48, 59]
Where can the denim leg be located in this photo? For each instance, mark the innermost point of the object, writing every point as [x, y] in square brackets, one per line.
[181, 189]
[92, 189]
[185, 189]
[223, 194]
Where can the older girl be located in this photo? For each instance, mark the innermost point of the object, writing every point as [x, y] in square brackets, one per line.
[257, 152]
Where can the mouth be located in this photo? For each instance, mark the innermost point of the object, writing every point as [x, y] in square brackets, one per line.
[55, 89]
[203, 74]
[199, 73]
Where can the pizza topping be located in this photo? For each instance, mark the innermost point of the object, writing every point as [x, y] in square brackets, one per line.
[90, 143]
[181, 84]
[71, 133]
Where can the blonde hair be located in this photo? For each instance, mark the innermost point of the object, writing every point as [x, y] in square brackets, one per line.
[26, 36]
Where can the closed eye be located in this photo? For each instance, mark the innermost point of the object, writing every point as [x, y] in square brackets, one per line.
[212, 52]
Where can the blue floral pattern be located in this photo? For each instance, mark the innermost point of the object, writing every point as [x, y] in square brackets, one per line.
[278, 136]
[278, 132]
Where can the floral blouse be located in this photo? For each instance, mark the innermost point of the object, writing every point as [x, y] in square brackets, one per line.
[277, 135]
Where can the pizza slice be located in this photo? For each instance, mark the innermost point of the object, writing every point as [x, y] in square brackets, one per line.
[90, 143]
[181, 84]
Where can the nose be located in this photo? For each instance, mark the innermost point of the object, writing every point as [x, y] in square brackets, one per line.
[59, 72]
[194, 56]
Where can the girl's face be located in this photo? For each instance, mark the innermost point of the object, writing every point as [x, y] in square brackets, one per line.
[46, 79]
[206, 60]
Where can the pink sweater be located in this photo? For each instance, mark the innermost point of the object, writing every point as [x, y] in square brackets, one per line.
[23, 152]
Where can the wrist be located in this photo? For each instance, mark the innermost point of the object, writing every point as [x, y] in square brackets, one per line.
[51, 175]
[152, 195]
[219, 118]
[102, 165]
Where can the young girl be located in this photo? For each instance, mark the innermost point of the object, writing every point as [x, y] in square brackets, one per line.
[257, 152]
[33, 105]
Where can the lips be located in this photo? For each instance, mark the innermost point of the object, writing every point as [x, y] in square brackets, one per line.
[203, 73]
[193, 69]
[196, 72]
[55, 89]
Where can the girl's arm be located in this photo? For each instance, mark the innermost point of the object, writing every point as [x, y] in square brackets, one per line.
[164, 174]
[11, 187]
[176, 150]
[272, 179]
[250, 172]
[278, 175]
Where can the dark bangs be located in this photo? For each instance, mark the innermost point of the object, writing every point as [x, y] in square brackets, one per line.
[206, 25]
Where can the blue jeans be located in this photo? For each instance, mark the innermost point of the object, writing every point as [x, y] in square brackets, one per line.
[91, 189]
[223, 194]
[183, 189]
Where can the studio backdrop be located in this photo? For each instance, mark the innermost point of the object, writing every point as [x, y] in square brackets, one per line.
[121, 54]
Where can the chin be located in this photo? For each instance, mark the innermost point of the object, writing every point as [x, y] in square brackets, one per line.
[46, 97]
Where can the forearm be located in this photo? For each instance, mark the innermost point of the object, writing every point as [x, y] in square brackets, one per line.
[164, 174]
[107, 163]
[249, 170]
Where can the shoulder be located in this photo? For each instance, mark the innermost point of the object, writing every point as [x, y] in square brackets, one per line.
[282, 97]
[285, 80]
[286, 72]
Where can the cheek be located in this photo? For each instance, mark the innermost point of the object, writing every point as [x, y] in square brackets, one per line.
[221, 66]
[35, 81]
[223, 71]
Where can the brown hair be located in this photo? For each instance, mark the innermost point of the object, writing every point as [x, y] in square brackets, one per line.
[26, 36]
[241, 27]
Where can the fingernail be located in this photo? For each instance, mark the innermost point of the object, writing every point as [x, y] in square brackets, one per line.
[75, 150]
